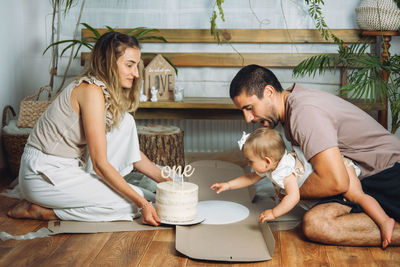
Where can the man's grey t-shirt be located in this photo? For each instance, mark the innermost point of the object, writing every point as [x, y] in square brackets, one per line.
[317, 120]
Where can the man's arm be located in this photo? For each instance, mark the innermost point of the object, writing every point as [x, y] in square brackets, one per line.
[329, 177]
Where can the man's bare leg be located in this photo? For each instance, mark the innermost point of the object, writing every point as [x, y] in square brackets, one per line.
[332, 223]
[27, 210]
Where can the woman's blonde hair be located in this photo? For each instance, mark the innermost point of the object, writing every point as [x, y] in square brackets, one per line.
[103, 66]
[265, 142]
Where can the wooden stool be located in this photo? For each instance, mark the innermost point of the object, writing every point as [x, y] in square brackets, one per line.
[162, 144]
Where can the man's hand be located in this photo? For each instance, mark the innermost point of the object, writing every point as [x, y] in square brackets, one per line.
[220, 187]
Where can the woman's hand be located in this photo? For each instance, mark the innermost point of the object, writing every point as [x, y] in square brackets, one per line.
[220, 187]
[166, 179]
[149, 169]
[149, 214]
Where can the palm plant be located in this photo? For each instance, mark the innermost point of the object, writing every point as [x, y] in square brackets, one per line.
[364, 75]
[141, 33]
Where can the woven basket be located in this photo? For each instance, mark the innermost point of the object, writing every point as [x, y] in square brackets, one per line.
[13, 144]
[378, 15]
[30, 110]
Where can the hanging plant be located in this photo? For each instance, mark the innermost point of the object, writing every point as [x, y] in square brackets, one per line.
[214, 30]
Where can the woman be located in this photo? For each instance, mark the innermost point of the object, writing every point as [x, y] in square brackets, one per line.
[54, 180]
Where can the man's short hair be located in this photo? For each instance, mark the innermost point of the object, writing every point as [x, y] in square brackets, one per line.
[252, 79]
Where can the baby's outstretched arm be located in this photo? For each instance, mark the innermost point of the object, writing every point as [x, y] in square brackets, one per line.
[239, 182]
[287, 203]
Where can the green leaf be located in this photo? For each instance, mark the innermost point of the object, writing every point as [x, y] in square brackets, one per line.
[58, 43]
[134, 29]
[169, 61]
[110, 29]
[145, 32]
[94, 31]
[153, 38]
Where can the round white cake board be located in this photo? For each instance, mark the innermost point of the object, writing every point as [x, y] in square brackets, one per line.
[222, 212]
[197, 220]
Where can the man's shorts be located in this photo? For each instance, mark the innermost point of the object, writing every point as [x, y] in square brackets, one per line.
[384, 186]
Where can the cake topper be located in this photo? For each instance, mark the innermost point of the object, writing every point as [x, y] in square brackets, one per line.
[167, 171]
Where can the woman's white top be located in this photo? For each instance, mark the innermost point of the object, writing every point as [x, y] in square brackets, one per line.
[59, 131]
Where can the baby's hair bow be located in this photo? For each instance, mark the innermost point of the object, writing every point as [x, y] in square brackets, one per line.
[243, 140]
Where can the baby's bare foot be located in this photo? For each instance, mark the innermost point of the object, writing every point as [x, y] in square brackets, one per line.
[386, 232]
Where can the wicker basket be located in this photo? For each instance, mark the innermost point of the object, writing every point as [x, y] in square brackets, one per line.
[13, 144]
[378, 15]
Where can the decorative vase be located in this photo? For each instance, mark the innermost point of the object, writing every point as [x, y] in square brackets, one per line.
[375, 15]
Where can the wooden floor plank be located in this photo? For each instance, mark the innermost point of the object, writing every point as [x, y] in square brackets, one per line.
[157, 248]
[295, 251]
[197, 263]
[388, 257]
[18, 227]
[6, 203]
[162, 253]
[277, 256]
[77, 250]
[32, 252]
[165, 235]
[342, 256]
[124, 249]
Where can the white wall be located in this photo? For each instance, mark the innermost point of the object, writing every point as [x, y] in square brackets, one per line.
[25, 31]
[10, 53]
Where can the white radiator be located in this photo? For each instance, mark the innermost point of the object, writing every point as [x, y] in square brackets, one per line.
[208, 135]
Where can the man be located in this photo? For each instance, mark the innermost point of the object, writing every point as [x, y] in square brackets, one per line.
[326, 126]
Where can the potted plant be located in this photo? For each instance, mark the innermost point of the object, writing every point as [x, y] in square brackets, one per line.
[364, 75]
[364, 69]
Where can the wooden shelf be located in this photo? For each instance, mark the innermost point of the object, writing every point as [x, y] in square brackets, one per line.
[193, 103]
[298, 36]
[223, 108]
[380, 33]
[212, 108]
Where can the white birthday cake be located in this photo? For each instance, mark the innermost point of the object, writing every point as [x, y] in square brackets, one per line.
[176, 202]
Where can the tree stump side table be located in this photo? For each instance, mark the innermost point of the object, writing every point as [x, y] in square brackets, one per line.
[162, 144]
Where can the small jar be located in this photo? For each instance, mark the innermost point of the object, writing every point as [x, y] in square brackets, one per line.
[178, 93]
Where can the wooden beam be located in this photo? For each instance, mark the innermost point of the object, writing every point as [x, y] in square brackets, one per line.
[270, 60]
[297, 36]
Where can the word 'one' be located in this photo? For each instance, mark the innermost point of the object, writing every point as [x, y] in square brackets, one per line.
[177, 170]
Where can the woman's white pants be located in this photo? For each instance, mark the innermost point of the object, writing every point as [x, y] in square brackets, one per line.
[74, 191]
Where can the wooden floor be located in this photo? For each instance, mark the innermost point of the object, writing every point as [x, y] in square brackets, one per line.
[157, 248]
